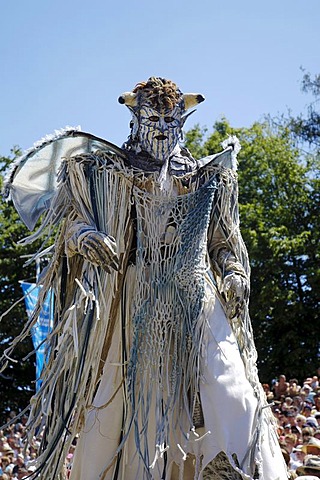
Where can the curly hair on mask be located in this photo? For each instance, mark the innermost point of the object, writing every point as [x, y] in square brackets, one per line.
[158, 93]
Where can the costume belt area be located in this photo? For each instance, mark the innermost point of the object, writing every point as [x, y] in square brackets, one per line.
[151, 366]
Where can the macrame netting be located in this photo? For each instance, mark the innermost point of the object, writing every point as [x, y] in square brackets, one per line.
[171, 264]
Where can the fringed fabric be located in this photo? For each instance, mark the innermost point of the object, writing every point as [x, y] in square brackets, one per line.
[175, 230]
[167, 335]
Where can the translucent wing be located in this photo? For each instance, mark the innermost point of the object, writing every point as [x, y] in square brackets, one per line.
[227, 158]
[33, 178]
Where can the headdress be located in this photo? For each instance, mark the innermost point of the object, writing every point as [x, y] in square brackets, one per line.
[161, 94]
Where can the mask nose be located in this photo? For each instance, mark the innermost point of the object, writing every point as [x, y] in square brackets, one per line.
[163, 127]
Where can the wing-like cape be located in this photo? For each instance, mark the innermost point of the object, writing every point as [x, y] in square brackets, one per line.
[32, 181]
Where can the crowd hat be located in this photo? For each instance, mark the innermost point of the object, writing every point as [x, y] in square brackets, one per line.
[313, 446]
[311, 465]
[6, 449]
[311, 422]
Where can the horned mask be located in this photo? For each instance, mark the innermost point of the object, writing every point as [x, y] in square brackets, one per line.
[158, 110]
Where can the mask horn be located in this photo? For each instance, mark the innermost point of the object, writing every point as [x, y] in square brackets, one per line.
[129, 99]
[192, 99]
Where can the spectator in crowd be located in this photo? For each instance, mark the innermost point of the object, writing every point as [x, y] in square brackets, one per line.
[307, 409]
[291, 416]
[300, 420]
[298, 432]
[294, 388]
[311, 422]
[291, 441]
[297, 402]
[288, 401]
[316, 400]
[268, 392]
[307, 433]
[297, 458]
[312, 447]
[281, 387]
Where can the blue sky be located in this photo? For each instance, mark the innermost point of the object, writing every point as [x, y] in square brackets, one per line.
[66, 62]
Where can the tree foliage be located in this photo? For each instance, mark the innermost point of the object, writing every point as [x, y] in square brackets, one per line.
[307, 127]
[17, 381]
[279, 199]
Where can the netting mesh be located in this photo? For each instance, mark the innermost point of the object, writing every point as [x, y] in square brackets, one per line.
[171, 264]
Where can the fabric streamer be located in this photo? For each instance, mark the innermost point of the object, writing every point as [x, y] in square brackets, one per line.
[43, 326]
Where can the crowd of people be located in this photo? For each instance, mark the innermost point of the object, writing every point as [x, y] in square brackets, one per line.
[17, 462]
[296, 410]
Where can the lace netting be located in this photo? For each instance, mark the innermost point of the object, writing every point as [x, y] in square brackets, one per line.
[171, 264]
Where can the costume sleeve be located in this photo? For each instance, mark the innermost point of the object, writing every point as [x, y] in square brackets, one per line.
[227, 251]
[223, 256]
[85, 234]
[226, 248]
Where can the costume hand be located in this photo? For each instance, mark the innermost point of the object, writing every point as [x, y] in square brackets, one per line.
[236, 291]
[99, 249]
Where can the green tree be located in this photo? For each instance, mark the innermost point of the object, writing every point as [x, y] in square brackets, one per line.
[279, 198]
[307, 127]
[17, 381]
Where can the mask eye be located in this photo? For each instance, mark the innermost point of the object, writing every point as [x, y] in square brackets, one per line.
[168, 119]
[154, 118]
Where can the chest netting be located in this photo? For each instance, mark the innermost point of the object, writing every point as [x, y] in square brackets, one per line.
[171, 262]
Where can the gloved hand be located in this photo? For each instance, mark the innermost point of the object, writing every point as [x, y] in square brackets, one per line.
[236, 290]
[96, 247]
[99, 249]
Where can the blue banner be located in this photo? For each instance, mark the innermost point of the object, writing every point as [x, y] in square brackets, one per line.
[43, 325]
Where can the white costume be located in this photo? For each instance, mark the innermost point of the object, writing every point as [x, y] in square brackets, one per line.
[152, 358]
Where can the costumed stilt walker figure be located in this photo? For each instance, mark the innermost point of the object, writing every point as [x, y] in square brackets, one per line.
[152, 363]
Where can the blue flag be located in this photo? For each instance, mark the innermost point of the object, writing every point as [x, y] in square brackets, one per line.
[43, 325]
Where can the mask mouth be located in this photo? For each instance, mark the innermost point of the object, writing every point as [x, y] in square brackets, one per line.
[161, 137]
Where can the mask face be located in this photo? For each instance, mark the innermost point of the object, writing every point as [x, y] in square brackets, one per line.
[158, 133]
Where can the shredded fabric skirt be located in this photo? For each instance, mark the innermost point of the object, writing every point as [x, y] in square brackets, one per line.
[234, 436]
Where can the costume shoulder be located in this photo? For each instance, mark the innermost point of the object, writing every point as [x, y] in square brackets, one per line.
[227, 158]
[33, 178]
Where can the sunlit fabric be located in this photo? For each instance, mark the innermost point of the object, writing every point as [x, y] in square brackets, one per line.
[33, 179]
